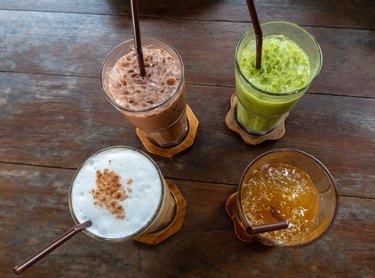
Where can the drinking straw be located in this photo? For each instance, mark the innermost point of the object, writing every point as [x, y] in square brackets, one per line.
[258, 32]
[50, 247]
[282, 224]
[137, 36]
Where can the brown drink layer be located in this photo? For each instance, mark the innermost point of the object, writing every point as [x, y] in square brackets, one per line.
[156, 102]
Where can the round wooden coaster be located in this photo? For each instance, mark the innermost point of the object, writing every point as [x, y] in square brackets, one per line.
[170, 152]
[158, 237]
[239, 229]
[251, 139]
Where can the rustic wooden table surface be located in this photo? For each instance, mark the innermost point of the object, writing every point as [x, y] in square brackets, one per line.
[53, 115]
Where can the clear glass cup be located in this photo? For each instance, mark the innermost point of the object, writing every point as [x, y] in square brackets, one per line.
[165, 124]
[323, 181]
[259, 111]
[161, 217]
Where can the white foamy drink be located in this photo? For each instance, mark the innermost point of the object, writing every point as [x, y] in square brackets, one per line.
[122, 192]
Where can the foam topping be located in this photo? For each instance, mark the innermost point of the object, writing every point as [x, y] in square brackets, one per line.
[119, 190]
[134, 92]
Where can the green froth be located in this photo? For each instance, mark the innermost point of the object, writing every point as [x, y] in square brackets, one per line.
[285, 66]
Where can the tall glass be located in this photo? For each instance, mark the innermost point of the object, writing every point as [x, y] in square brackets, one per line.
[165, 124]
[259, 111]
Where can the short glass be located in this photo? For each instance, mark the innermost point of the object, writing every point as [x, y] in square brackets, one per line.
[259, 111]
[165, 125]
[323, 181]
[162, 216]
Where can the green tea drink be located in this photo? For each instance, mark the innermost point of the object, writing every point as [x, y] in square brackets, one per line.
[266, 95]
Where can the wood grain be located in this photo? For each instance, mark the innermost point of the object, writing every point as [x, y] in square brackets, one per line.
[345, 13]
[60, 121]
[76, 45]
[34, 203]
[53, 115]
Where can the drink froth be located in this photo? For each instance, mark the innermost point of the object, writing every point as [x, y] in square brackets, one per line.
[120, 190]
[134, 92]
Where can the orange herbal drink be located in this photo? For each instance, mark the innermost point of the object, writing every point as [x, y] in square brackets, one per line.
[287, 189]
[288, 184]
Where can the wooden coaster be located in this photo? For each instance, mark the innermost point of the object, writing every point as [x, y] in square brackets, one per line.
[158, 237]
[170, 152]
[251, 139]
[239, 229]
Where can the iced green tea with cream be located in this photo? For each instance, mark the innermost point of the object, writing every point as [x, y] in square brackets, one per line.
[291, 59]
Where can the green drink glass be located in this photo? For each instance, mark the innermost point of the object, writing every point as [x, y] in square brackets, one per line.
[265, 96]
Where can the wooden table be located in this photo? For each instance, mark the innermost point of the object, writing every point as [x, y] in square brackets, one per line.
[53, 115]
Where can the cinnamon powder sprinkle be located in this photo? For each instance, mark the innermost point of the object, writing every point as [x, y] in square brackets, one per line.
[109, 192]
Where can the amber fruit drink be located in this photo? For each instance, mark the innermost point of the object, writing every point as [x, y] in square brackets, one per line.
[287, 189]
[295, 184]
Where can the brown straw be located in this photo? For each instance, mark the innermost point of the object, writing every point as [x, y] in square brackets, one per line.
[258, 32]
[282, 224]
[137, 36]
[50, 247]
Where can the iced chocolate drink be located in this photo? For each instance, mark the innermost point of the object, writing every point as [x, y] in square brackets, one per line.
[155, 103]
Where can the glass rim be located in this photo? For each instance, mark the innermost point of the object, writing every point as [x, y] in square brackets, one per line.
[144, 38]
[146, 225]
[291, 93]
[318, 162]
